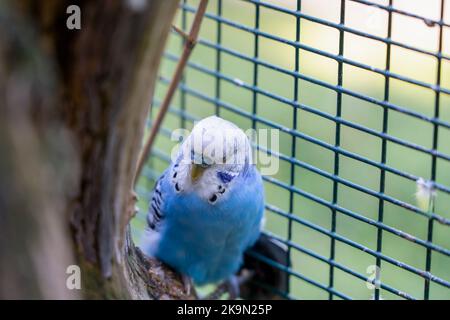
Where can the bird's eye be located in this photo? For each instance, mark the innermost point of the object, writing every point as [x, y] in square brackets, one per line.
[205, 165]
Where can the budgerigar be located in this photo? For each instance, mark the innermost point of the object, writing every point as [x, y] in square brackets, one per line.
[207, 207]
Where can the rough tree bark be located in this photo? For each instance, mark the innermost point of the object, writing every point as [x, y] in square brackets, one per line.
[73, 105]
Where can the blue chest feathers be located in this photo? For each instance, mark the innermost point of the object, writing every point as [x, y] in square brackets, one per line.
[206, 241]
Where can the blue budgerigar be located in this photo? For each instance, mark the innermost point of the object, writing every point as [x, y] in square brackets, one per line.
[207, 206]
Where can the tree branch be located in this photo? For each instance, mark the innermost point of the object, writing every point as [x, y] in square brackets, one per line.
[191, 40]
[100, 80]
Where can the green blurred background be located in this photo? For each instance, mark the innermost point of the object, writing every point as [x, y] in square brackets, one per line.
[412, 97]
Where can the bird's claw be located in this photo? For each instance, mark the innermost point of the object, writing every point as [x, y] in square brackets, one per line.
[187, 284]
[232, 284]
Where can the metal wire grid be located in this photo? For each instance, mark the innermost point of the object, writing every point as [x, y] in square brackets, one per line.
[180, 111]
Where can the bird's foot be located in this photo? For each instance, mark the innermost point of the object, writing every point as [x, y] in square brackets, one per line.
[187, 284]
[232, 285]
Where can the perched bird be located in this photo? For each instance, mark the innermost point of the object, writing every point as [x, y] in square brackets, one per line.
[207, 207]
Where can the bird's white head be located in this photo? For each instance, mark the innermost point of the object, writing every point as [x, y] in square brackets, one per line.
[210, 158]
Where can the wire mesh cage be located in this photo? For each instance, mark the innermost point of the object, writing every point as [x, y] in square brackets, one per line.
[358, 92]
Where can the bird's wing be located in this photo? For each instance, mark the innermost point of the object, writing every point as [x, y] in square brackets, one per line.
[155, 219]
[155, 214]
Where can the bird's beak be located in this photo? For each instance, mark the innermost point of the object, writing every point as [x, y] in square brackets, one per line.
[196, 171]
